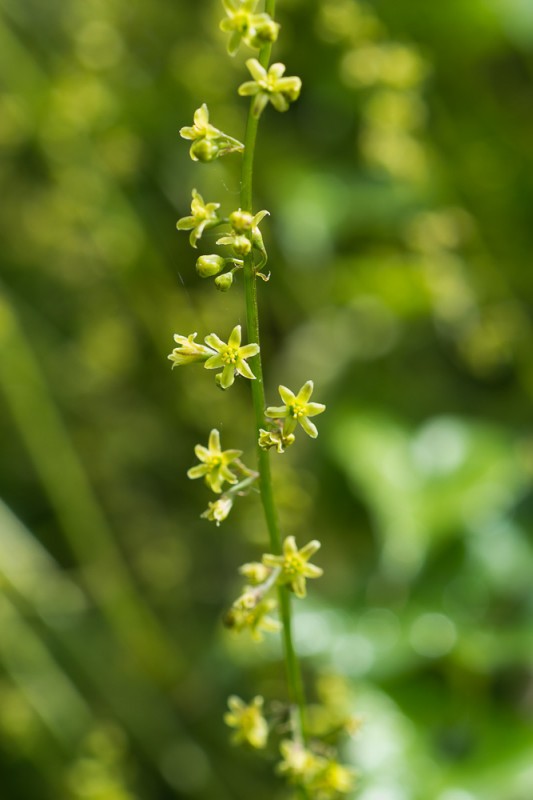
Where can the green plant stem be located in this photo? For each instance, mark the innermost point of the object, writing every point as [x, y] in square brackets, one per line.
[294, 677]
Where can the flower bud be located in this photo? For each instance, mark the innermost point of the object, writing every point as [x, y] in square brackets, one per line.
[223, 282]
[265, 32]
[241, 245]
[241, 221]
[207, 266]
[204, 150]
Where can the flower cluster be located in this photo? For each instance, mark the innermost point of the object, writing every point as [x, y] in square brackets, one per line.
[254, 30]
[323, 778]
[228, 356]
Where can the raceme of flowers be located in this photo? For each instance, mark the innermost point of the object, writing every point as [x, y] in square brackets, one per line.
[241, 249]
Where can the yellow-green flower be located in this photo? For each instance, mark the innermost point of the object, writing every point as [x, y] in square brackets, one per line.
[250, 612]
[218, 510]
[248, 721]
[277, 439]
[270, 87]
[255, 572]
[297, 409]
[215, 463]
[332, 780]
[189, 351]
[202, 216]
[294, 566]
[231, 357]
[298, 765]
[208, 142]
[255, 30]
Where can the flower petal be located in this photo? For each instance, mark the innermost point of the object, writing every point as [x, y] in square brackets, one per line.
[215, 342]
[214, 440]
[276, 70]
[305, 392]
[312, 409]
[276, 412]
[259, 104]
[235, 337]
[249, 350]
[198, 471]
[215, 362]
[243, 368]
[227, 377]
[286, 395]
[289, 546]
[201, 452]
[257, 72]
[309, 427]
[248, 89]
[312, 571]
[279, 102]
[201, 116]
[310, 549]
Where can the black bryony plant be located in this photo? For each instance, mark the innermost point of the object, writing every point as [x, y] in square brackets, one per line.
[307, 763]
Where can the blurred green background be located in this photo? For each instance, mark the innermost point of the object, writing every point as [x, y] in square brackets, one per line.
[401, 193]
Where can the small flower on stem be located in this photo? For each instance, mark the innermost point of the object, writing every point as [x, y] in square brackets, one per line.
[298, 765]
[208, 142]
[294, 566]
[248, 721]
[231, 357]
[250, 612]
[255, 30]
[215, 463]
[189, 351]
[297, 409]
[277, 439]
[203, 215]
[218, 510]
[207, 266]
[255, 572]
[270, 87]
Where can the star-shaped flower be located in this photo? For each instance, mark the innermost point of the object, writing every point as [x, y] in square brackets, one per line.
[189, 351]
[294, 566]
[248, 721]
[297, 409]
[208, 142]
[231, 357]
[255, 30]
[203, 215]
[270, 87]
[215, 463]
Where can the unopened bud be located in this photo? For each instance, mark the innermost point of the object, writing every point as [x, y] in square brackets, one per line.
[207, 266]
[241, 221]
[204, 150]
[223, 282]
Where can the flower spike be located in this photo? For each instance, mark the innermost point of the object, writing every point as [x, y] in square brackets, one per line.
[231, 357]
